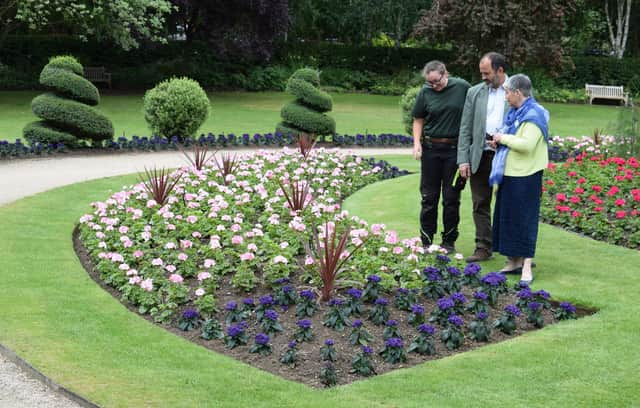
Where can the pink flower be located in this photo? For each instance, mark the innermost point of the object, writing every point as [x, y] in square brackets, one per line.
[280, 259]
[196, 234]
[182, 256]
[123, 267]
[376, 229]
[185, 243]
[620, 202]
[237, 240]
[561, 197]
[208, 263]
[135, 280]
[309, 260]
[175, 278]
[147, 285]
[200, 292]
[123, 229]
[252, 247]
[170, 268]
[576, 214]
[214, 243]
[170, 245]
[151, 203]
[127, 244]
[621, 214]
[138, 253]
[235, 227]
[391, 238]
[397, 250]
[247, 256]
[203, 275]
[284, 245]
[171, 227]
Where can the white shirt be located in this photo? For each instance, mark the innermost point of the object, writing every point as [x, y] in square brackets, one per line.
[495, 108]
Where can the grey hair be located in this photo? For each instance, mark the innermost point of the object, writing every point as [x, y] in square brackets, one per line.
[519, 82]
[434, 65]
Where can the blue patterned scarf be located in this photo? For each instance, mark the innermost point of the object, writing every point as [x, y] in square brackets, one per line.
[529, 111]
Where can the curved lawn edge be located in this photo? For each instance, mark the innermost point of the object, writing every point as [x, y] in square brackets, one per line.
[55, 317]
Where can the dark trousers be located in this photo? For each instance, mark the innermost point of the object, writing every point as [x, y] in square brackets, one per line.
[438, 169]
[481, 193]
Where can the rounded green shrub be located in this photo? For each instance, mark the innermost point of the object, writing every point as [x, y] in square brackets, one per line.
[306, 113]
[407, 101]
[176, 107]
[66, 116]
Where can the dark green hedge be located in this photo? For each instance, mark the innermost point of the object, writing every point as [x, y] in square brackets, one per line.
[305, 118]
[41, 132]
[75, 87]
[68, 115]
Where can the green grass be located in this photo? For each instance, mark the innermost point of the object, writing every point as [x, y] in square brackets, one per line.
[245, 112]
[59, 320]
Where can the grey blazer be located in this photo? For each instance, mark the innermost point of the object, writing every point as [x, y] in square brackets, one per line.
[473, 124]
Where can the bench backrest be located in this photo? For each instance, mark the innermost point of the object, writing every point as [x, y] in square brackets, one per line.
[605, 90]
[94, 72]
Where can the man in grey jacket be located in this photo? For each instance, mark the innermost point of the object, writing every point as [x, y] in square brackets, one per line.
[483, 114]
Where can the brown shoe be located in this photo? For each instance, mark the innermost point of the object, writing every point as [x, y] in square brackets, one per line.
[479, 255]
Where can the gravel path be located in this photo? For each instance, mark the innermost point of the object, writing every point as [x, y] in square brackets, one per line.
[22, 178]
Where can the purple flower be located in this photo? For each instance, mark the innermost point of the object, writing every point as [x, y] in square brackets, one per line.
[456, 320]
[292, 344]
[336, 302]
[329, 342]
[190, 314]
[524, 294]
[395, 342]
[262, 339]
[308, 294]
[542, 294]
[453, 271]
[534, 306]
[374, 278]
[568, 307]
[235, 330]
[472, 269]
[271, 314]
[459, 298]
[432, 273]
[445, 303]
[266, 300]
[426, 329]
[493, 279]
[366, 349]
[355, 293]
[391, 323]
[248, 301]
[381, 301]
[280, 281]
[231, 306]
[304, 323]
[287, 288]
[443, 258]
[243, 324]
[417, 309]
[512, 309]
[356, 323]
[403, 291]
[482, 315]
[479, 295]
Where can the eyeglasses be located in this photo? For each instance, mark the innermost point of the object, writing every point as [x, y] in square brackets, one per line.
[436, 82]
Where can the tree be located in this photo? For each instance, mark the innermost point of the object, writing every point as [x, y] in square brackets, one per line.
[523, 31]
[618, 25]
[124, 22]
[247, 29]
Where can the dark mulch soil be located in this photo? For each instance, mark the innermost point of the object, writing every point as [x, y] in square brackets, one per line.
[308, 368]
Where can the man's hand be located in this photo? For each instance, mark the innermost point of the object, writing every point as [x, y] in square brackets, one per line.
[465, 170]
[417, 151]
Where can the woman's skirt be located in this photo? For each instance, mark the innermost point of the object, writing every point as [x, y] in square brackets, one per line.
[515, 216]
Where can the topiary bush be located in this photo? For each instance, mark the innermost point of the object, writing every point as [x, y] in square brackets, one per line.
[65, 111]
[406, 106]
[176, 107]
[306, 113]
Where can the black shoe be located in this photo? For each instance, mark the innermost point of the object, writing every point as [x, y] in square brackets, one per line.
[514, 271]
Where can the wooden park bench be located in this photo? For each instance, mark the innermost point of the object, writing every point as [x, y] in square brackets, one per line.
[98, 74]
[606, 92]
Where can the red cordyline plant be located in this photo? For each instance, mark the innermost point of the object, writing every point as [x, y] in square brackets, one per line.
[329, 250]
[200, 157]
[296, 195]
[159, 183]
[227, 165]
[306, 143]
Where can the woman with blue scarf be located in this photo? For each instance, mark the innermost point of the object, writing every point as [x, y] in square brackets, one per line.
[517, 168]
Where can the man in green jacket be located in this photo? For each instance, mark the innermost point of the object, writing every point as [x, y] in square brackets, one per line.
[483, 114]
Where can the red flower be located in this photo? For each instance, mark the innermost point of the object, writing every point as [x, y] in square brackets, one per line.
[596, 188]
[575, 199]
[550, 182]
[613, 191]
[579, 190]
[575, 214]
[597, 209]
[621, 214]
[572, 174]
[562, 208]
[581, 180]
[551, 166]
[620, 202]
[619, 178]
[633, 162]
[561, 197]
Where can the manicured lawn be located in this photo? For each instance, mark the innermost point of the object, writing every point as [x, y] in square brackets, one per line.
[58, 319]
[244, 112]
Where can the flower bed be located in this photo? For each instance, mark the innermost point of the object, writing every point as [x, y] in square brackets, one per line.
[255, 258]
[595, 196]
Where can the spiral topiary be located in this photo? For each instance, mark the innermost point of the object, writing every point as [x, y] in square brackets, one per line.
[66, 116]
[176, 107]
[306, 113]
